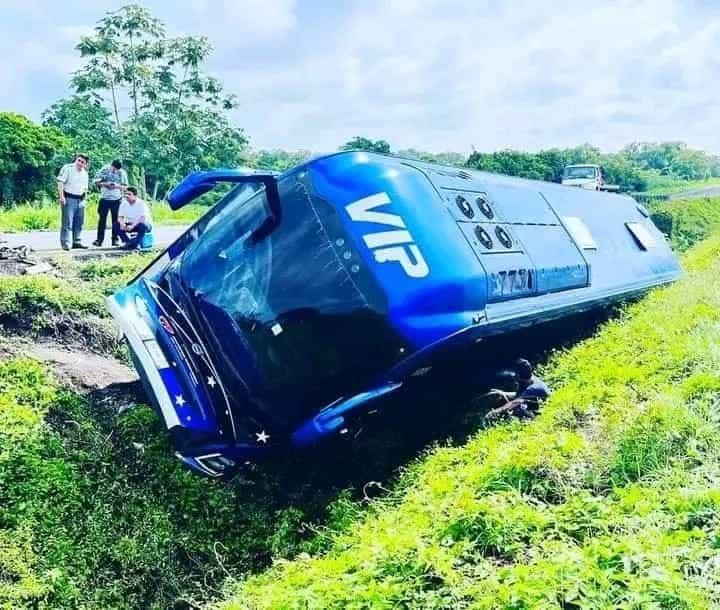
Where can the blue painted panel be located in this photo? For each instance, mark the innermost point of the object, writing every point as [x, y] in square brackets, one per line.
[617, 261]
[470, 206]
[452, 289]
[193, 409]
[556, 258]
[510, 271]
[516, 204]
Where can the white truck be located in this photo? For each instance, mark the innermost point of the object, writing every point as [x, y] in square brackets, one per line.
[587, 176]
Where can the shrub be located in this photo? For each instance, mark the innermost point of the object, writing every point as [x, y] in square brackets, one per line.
[686, 221]
[30, 156]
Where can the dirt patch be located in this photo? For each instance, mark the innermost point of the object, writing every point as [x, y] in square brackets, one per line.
[84, 371]
[108, 384]
[89, 332]
[77, 368]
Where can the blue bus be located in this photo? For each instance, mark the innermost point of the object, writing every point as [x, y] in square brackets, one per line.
[302, 300]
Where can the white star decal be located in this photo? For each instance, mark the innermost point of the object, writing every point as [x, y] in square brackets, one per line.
[211, 382]
[262, 437]
[179, 400]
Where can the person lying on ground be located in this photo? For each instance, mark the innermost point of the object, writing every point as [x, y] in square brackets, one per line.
[133, 217]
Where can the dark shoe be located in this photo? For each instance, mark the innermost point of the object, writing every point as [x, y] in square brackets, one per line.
[115, 242]
[65, 247]
[97, 243]
[80, 247]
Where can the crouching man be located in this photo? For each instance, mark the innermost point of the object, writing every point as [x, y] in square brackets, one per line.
[133, 217]
[530, 393]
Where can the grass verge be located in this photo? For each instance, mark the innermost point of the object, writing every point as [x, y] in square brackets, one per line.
[71, 307]
[96, 513]
[686, 221]
[608, 499]
[45, 216]
[668, 184]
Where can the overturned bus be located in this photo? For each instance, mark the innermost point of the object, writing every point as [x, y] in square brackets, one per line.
[303, 300]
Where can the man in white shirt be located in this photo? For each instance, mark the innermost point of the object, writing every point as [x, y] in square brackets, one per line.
[133, 217]
[72, 184]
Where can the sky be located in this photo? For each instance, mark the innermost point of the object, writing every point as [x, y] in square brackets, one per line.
[427, 74]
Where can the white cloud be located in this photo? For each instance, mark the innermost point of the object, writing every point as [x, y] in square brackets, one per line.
[439, 75]
[246, 22]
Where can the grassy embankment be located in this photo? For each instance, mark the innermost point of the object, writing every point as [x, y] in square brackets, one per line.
[668, 185]
[71, 307]
[45, 216]
[89, 518]
[610, 499]
[686, 221]
[97, 513]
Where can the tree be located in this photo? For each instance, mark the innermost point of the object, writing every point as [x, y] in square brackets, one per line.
[88, 125]
[278, 160]
[360, 143]
[169, 145]
[549, 164]
[119, 55]
[448, 158]
[674, 159]
[177, 121]
[618, 170]
[29, 157]
[512, 163]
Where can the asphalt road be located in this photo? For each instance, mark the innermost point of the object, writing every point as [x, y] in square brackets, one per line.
[49, 241]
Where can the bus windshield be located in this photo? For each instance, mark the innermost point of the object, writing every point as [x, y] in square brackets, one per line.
[289, 297]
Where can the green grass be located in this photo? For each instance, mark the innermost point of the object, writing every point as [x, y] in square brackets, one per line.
[97, 513]
[607, 500]
[45, 216]
[658, 184]
[70, 309]
[686, 221]
[88, 519]
[47, 305]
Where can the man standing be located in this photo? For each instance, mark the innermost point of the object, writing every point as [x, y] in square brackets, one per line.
[72, 187]
[134, 217]
[111, 179]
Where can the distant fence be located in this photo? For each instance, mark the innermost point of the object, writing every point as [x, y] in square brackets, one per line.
[649, 197]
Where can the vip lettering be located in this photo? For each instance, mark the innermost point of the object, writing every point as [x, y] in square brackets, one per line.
[393, 245]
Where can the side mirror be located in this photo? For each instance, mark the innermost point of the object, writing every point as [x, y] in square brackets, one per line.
[199, 183]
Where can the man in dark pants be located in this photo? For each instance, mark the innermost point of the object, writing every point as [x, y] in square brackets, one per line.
[72, 184]
[111, 179]
[134, 217]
